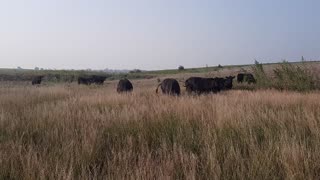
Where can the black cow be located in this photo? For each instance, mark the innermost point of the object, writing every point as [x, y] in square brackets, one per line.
[228, 83]
[250, 79]
[37, 80]
[124, 85]
[169, 86]
[246, 77]
[240, 77]
[98, 79]
[87, 80]
[220, 83]
[203, 85]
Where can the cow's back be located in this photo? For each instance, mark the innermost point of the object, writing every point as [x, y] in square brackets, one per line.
[170, 86]
[124, 85]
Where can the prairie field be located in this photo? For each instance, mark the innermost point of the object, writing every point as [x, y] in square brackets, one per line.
[66, 131]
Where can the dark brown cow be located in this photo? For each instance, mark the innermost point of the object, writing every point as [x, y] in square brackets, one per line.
[169, 86]
[124, 85]
[37, 80]
[201, 85]
[87, 80]
[246, 77]
[228, 83]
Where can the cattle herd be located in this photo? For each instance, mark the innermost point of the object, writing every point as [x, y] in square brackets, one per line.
[197, 85]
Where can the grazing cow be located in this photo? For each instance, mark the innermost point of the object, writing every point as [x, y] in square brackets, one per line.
[246, 77]
[124, 85]
[85, 80]
[228, 82]
[220, 82]
[98, 79]
[169, 86]
[37, 80]
[250, 79]
[203, 85]
[91, 79]
[240, 77]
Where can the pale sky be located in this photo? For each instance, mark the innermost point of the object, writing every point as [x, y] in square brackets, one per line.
[156, 34]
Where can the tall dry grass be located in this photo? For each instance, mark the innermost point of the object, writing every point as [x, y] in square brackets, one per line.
[78, 132]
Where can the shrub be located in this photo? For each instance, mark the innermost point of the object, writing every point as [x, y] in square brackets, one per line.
[180, 68]
[293, 77]
[135, 71]
[286, 77]
[261, 77]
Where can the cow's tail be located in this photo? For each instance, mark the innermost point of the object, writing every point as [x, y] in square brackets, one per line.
[158, 87]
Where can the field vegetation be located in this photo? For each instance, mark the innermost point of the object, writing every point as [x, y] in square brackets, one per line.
[68, 131]
[287, 76]
[62, 76]
[269, 130]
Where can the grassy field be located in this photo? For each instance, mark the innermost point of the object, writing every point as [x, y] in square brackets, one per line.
[62, 76]
[66, 131]
[216, 69]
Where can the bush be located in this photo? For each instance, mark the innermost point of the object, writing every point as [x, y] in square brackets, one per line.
[180, 68]
[286, 77]
[292, 77]
[261, 77]
[135, 71]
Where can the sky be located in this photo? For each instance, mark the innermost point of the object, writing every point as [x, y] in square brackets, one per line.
[156, 34]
